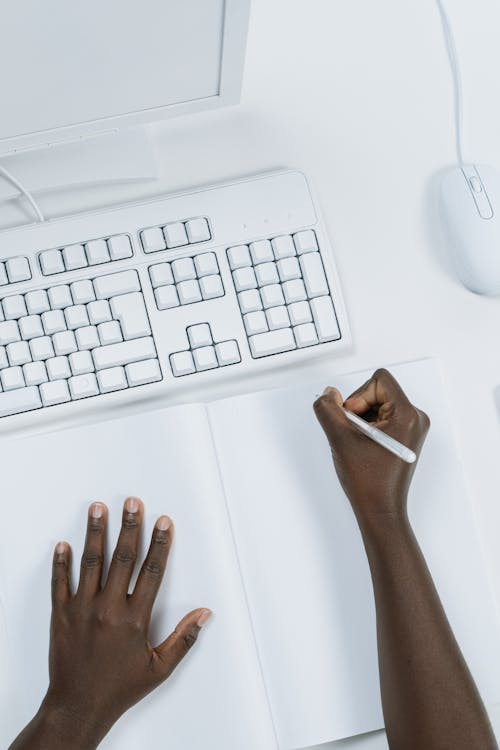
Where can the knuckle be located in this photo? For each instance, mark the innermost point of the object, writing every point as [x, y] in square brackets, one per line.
[130, 522]
[95, 526]
[124, 555]
[153, 568]
[190, 638]
[58, 579]
[91, 559]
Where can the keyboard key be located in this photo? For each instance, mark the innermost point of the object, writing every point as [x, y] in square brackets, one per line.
[83, 386]
[325, 319]
[205, 358]
[175, 235]
[261, 251]
[12, 378]
[53, 322]
[161, 275]
[3, 275]
[4, 362]
[74, 257]
[299, 312]
[99, 312]
[183, 269]
[277, 317]
[18, 269]
[206, 264]
[31, 327]
[198, 230]
[37, 302]
[239, 257]
[112, 379]
[250, 301]
[228, 353]
[60, 297]
[64, 342]
[166, 297]
[272, 342]
[82, 292]
[120, 247]
[9, 332]
[14, 307]
[288, 268]
[87, 338]
[244, 278]
[116, 283]
[142, 373]
[199, 335]
[41, 348]
[305, 242]
[55, 392]
[314, 275]
[18, 353]
[153, 240]
[97, 252]
[58, 368]
[35, 373]
[51, 261]
[124, 353]
[18, 401]
[76, 316]
[283, 247]
[305, 335]
[211, 287]
[189, 292]
[255, 322]
[109, 333]
[81, 363]
[294, 291]
[272, 296]
[267, 273]
[182, 363]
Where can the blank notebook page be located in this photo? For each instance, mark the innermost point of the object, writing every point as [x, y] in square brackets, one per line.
[303, 563]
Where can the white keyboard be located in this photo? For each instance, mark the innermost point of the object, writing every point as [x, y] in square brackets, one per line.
[149, 297]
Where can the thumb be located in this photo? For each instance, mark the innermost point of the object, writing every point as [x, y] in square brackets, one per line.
[180, 642]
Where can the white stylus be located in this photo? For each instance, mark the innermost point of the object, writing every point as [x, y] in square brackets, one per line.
[386, 441]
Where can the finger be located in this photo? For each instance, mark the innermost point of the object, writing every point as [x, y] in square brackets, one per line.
[125, 554]
[153, 568]
[93, 552]
[380, 393]
[61, 562]
[173, 650]
[329, 411]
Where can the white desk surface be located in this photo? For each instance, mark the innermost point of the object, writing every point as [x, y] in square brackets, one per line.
[358, 95]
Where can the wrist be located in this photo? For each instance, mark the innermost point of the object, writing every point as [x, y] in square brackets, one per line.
[377, 519]
[65, 727]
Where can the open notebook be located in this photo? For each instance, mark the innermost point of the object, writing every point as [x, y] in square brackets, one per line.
[264, 536]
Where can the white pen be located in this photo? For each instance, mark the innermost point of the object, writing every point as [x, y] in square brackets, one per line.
[386, 441]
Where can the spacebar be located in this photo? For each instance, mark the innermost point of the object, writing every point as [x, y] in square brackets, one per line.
[22, 399]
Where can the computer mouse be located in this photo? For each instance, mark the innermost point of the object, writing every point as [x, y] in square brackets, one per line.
[470, 206]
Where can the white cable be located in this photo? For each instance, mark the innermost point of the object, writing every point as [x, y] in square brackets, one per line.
[451, 48]
[10, 178]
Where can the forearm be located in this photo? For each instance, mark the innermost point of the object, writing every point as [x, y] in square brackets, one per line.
[52, 729]
[430, 700]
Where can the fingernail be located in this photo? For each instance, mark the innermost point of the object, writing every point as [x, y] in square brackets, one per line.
[60, 548]
[328, 390]
[163, 523]
[132, 504]
[204, 617]
[96, 510]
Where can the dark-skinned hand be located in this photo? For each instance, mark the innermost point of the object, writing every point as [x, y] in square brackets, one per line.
[100, 660]
[375, 481]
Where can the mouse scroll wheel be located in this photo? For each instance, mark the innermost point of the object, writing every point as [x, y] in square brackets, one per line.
[476, 184]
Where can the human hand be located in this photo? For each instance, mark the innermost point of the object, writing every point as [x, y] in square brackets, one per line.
[375, 481]
[101, 662]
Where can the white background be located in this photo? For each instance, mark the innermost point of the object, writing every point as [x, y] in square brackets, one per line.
[358, 94]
